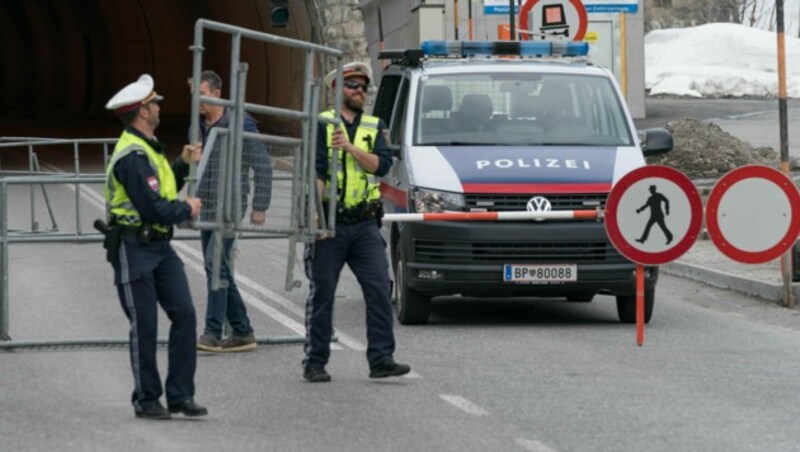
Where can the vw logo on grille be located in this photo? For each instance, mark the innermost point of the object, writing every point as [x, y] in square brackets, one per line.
[538, 204]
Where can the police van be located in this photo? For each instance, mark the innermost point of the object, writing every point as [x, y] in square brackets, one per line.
[506, 127]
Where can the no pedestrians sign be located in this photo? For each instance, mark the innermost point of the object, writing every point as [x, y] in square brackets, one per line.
[653, 215]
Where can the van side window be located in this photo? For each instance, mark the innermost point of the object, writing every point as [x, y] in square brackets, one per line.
[384, 101]
[400, 115]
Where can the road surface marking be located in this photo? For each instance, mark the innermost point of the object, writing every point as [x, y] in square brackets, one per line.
[464, 405]
[533, 445]
[274, 297]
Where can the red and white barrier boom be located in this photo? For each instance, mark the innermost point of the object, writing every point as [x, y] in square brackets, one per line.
[495, 216]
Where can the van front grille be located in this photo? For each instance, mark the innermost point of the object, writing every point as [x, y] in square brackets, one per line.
[514, 252]
[518, 203]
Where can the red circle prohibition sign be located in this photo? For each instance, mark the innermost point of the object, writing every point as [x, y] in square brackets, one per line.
[583, 20]
[612, 223]
[715, 198]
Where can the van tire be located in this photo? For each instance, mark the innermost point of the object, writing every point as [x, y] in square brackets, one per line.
[626, 306]
[413, 308]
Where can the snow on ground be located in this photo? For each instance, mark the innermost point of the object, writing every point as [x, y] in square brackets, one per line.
[718, 60]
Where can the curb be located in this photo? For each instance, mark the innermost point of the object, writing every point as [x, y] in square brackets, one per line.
[723, 280]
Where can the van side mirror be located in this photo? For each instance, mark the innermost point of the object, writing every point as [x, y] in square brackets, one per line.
[656, 141]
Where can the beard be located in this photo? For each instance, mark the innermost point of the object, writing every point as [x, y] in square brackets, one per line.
[355, 103]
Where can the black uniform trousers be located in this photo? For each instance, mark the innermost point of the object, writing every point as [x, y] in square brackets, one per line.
[362, 248]
[148, 275]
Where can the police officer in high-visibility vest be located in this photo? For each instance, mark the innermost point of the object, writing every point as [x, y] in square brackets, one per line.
[362, 153]
[141, 199]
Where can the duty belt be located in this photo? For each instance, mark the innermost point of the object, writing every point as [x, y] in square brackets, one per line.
[146, 233]
[366, 211]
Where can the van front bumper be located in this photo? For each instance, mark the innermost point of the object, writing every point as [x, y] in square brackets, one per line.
[446, 258]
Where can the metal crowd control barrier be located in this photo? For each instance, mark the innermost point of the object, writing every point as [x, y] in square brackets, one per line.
[295, 183]
[34, 177]
[82, 233]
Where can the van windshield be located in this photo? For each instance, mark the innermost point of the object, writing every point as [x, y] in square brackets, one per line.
[520, 109]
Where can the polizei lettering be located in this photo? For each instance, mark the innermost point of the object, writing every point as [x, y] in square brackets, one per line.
[534, 163]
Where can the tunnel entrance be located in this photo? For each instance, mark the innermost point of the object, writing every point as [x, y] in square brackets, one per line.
[63, 59]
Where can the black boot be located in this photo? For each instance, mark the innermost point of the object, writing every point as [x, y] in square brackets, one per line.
[155, 412]
[188, 408]
[388, 368]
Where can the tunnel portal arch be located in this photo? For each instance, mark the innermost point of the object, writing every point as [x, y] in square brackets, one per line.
[66, 58]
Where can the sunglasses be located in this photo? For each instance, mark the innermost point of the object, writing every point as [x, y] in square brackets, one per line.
[352, 84]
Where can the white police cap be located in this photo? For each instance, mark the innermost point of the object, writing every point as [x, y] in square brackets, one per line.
[135, 95]
[354, 69]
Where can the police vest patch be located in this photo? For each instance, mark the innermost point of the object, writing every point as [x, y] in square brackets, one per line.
[152, 181]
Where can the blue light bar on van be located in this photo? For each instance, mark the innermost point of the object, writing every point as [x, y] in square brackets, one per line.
[505, 48]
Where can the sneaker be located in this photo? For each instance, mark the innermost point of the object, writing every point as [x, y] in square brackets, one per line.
[237, 343]
[388, 368]
[189, 408]
[155, 412]
[209, 343]
[316, 375]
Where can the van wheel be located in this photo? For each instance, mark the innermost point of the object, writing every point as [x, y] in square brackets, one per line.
[626, 306]
[413, 307]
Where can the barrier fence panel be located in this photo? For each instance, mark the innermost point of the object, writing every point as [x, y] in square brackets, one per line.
[280, 167]
[22, 173]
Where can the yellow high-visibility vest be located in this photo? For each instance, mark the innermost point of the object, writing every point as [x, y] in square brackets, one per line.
[354, 184]
[117, 200]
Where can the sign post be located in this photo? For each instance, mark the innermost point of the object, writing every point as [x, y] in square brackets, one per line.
[653, 216]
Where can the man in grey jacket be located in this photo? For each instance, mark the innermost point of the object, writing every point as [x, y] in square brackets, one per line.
[226, 302]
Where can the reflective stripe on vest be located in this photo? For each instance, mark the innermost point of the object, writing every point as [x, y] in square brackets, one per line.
[360, 185]
[117, 201]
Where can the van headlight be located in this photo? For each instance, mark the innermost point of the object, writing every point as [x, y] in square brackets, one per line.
[432, 201]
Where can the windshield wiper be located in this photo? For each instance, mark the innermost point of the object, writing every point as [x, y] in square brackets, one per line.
[562, 144]
[454, 143]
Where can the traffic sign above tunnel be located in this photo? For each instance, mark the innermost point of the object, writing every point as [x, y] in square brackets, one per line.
[553, 19]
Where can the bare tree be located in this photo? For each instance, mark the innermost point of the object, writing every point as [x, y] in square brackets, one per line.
[753, 14]
[686, 13]
[772, 18]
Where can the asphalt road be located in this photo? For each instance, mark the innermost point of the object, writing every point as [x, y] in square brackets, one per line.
[718, 371]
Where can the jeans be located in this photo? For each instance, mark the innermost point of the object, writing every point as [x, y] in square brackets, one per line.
[226, 300]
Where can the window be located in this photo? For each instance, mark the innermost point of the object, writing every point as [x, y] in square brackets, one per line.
[520, 108]
[400, 116]
[384, 101]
